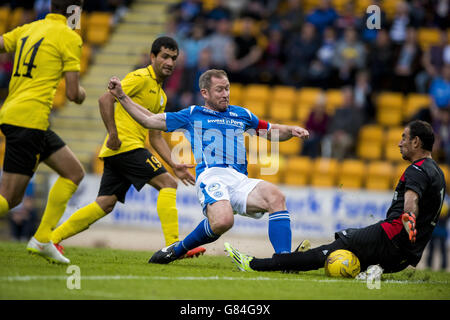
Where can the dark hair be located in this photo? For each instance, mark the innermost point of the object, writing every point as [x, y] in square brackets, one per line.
[60, 6]
[166, 42]
[424, 131]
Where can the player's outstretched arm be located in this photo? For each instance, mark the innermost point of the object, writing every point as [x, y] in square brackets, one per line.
[284, 132]
[137, 112]
[410, 213]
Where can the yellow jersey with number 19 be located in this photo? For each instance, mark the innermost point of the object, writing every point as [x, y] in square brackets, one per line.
[44, 50]
[141, 86]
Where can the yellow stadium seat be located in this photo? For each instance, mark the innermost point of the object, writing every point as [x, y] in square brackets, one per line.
[415, 102]
[284, 94]
[290, 147]
[390, 7]
[399, 169]
[86, 54]
[308, 96]
[281, 110]
[98, 28]
[391, 149]
[351, 174]
[256, 92]
[16, 18]
[4, 17]
[339, 5]
[303, 112]
[298, 171]
[361, 7]
[324, 172]
[334, 100]
[309, 5]
[271, 168]
[379, 175]
[428, 37]
[236, 90]
[259, 108]
[370, 142]
[446, 170]
[389, 107]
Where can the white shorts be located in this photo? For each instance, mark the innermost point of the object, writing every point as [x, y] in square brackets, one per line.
[219, 183]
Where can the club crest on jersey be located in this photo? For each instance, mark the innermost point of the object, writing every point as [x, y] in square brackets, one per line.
[213, 187]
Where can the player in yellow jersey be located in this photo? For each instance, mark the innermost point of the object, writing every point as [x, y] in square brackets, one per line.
[45, 51]
[126, 160]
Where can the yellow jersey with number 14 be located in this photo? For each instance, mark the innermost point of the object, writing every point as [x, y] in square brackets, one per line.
[44, 50]
[141, 86]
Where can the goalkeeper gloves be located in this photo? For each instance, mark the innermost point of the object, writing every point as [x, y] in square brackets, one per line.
[409, 223]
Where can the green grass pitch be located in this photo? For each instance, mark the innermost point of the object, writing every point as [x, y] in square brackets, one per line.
[119, 274]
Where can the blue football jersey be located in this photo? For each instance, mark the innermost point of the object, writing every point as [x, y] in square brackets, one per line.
[217, 138]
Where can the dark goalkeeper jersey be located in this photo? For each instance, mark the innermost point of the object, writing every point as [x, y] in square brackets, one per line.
[426, 179]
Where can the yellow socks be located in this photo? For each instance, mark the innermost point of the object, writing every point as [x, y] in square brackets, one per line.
[58, 197]
[4, 206]
[80, 220]
[166, 206]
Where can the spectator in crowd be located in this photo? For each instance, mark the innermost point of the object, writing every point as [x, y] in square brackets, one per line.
[440, 88]
[245, 54]
[433, 61]
[42, 8]
[343, 130]
[181, 82]
[186, 13]
[220, 42]
[347, 19]
[292, 19]
[440, 235]
[23, 218]
[321, 69]
[350, 57]
[380, 62]
[363, 95]
[407, 63]
[369, 35]
[273, 58]
[6, 67]
[205, 63]
[323, 16]
[300, 51]
[316, 125]
[219, 12]
[441, 13]
[400, 23]
[192, 45]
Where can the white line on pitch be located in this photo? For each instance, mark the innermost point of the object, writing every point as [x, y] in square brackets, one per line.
[192, 278]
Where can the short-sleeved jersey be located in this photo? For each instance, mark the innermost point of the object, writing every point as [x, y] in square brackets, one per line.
[44, 50]
[426, 179]
[217, 138]
[141, 86]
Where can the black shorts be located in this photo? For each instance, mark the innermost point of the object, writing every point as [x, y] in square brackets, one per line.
[26, 148]
[372, 246]
[136, 167]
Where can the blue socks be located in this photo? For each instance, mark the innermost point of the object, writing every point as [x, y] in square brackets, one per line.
[202, 234]
[280, 233]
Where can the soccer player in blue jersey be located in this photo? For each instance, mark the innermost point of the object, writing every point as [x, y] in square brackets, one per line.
[215, 132]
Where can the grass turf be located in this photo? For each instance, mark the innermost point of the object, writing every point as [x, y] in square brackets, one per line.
[119, 274]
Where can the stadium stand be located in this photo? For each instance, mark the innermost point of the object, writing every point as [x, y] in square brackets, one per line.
[114, 46]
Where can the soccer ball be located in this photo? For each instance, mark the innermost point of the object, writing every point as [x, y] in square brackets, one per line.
[342, 263]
